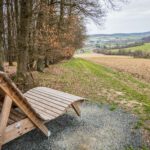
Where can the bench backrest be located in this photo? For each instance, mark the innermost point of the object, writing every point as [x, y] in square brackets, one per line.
[10, 89]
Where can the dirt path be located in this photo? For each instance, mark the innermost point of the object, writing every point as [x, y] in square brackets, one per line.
[98, 128]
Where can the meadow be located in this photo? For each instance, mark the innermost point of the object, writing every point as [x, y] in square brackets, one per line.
[139, 51]
[144, 48]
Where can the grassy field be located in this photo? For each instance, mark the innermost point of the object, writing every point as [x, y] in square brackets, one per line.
[144, 48]
[101, 85]
[137, 67]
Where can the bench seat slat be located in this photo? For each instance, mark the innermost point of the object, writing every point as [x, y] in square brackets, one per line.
[58, 93]
[54, 98]
[43, 98]
[54, 95]
[49, 102]
[29, 97]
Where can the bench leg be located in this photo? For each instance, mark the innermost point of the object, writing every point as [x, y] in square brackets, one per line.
[76, 109]
[4, 118]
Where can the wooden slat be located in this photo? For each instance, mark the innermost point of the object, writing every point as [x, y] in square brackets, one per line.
[45, 102]
[17, 129]
[50, 96]
[49, 112]
[57, 111]
[47, 99]
[58, 93]
[46, 116]
[4, 118]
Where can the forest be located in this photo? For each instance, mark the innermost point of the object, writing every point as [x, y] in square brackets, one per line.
[37, 33]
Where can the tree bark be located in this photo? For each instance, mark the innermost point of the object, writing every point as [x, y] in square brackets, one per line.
[23, 39]
[40, 65]
[1, 35]
[16, 7]
[9, 36]
[61, 17]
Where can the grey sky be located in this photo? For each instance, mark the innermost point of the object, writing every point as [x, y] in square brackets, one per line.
[134, 17]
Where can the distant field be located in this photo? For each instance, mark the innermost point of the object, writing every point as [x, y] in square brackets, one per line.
[138, 67]
[143, 48]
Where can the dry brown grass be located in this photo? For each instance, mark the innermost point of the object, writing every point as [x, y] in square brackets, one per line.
[140, 68]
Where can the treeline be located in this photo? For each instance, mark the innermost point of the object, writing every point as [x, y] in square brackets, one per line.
[124, 52]
[123, 49]
[39, 32]
[36, 33]
[146, 39]
[118, 46]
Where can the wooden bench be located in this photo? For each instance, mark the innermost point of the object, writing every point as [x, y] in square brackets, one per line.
[21, 113]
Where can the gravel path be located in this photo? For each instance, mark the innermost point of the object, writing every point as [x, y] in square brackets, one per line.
[97, 129]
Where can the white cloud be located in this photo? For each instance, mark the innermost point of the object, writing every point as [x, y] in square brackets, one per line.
[134, 17]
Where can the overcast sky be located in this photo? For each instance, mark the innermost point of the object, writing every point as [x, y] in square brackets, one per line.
[134, 17]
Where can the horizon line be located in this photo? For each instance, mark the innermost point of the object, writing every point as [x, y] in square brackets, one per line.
[119, 33]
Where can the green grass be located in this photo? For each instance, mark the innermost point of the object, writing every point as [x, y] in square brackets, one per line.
[131, 148]
[113, 107]
[99, 84]
[144, 48]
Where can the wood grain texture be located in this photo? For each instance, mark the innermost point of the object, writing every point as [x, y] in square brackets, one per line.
[49, 102]
[4, 118]
[17, 129]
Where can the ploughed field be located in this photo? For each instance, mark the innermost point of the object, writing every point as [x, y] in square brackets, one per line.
[138, 67]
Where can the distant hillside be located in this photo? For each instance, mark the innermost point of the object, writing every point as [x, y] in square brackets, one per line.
[101, 42]
[146, 39]
[122, 34]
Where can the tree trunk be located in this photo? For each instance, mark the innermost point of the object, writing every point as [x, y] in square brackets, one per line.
[16, 7]
[1, 36]
[9, 36]
[61, 17]
[46, 62]
[22, 61]
[40, 65]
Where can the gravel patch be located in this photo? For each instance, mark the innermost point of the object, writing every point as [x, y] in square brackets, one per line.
[97, 129]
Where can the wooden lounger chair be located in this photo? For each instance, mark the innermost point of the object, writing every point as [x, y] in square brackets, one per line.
[20, 113]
